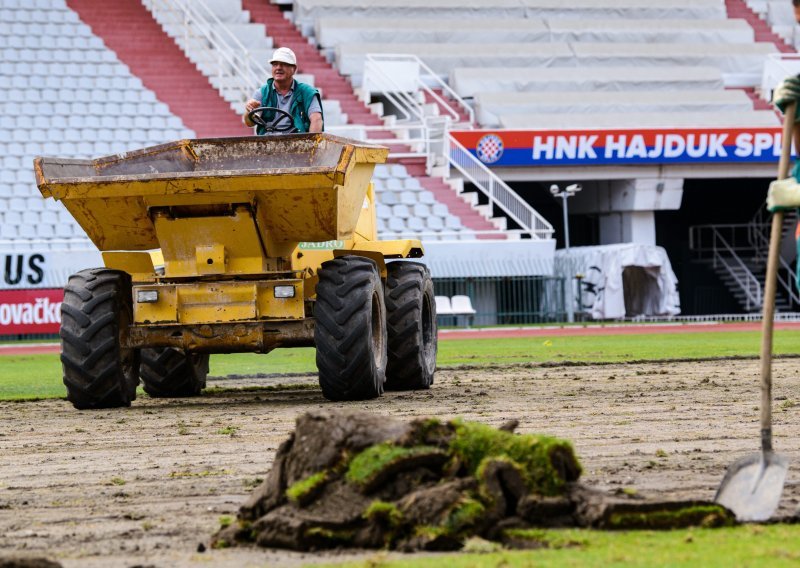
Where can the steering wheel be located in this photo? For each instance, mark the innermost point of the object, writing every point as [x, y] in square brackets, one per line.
[256, 118]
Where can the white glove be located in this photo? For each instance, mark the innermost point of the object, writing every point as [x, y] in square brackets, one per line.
[787, 91]
[783, 194]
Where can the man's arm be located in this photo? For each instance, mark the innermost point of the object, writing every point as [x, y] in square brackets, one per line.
[316, 122]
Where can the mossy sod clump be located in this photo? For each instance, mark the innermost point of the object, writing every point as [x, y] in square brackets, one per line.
[367, 481]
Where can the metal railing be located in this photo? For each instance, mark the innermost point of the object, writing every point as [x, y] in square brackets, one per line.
[405, 97]
[759, 231]
[238, 73]
[497, 191]
[709, 239]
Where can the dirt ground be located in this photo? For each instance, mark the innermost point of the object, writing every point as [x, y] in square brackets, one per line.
[148, 484]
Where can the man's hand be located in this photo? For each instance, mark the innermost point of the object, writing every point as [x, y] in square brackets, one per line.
[787, 92]
[783, 194]
[249, 106]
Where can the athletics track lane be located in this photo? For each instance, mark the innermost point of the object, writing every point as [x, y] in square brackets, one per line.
[502, 333]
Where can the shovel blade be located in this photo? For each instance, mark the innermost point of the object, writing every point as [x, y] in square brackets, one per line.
[753, 485]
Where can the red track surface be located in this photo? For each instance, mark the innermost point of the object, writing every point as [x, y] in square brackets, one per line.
[455, 334]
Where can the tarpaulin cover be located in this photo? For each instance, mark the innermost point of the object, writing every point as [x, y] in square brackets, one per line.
[756, 118]
[622, 280]
[681, 9]
[489, 106]
[442, 58]
[728, 57]
[305, 11]
[467, 81]
[330, 32]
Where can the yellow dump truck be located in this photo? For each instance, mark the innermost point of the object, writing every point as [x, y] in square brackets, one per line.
[231, 245]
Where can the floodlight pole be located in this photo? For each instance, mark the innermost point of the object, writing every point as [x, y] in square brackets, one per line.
[564, 194]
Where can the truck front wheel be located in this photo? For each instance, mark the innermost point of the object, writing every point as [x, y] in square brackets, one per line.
[350, 331]
[99, 371]
[169, 372]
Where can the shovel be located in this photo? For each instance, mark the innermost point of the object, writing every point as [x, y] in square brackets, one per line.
[753, 485]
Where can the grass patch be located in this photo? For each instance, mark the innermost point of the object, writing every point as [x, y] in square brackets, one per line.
[304, 489]
[26, 377]
[776, 546]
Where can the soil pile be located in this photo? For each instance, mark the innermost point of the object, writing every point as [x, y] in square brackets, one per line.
[370, 481]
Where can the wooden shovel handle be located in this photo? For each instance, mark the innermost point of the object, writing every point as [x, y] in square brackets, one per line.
[770, 286]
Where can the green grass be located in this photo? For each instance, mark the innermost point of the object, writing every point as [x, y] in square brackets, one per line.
[39, 376]
[774, 546]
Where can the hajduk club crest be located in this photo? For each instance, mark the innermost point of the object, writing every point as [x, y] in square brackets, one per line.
[489, 148]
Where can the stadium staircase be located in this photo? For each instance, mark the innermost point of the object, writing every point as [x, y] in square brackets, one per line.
[763, 32]
[737, 254]
[738, 9]
[128, 29]
[333, 85]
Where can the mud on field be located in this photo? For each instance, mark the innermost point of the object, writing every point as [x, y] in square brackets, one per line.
[147, 485]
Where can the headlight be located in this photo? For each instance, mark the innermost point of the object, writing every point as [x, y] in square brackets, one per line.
[284, 291]
[147, 296]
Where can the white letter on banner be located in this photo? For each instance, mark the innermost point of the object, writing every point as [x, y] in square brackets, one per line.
[744, 145]
[699, 150]
[762, 142]
[617, 146]
[776, 146]
[716, 146]
[637, 147]
[674, 145]
[540, 147]
[658, 148]
[566, 147]
[586, 146]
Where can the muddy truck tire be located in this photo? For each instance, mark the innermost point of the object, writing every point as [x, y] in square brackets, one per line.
[99, 372]
[411, 326]
[350, 331]
[172, 373]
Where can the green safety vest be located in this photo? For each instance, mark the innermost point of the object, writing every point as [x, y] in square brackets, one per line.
[303, 97]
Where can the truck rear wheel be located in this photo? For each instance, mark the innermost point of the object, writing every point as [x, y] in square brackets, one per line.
[411, 326]
[350, 330]
[99, 371]
[169, 372]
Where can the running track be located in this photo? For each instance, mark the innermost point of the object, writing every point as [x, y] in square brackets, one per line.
[502, 333]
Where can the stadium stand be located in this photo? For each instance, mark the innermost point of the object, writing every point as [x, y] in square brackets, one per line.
[543, 45]
[74, 98]
[523, 63]
[102, 108]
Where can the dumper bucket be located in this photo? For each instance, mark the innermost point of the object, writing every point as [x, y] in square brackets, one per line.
[305, 187]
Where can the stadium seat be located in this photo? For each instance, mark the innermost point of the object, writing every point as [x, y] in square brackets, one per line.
[435, 223]
[400, 211]
[388, 197]
[421, 210]
[394, 184]
[416, 224]
[439, 210]
[396, 224]
[426, 197]
[443, 306]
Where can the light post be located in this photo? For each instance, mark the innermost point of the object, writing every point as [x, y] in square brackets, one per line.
[568, 191]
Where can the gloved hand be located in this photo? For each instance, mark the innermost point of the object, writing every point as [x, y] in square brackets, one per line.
[783, 194]
[787, 92]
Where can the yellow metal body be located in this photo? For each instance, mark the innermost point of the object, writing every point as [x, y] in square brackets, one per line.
[228, 232]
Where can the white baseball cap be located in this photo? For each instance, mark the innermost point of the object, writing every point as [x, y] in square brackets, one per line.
[284, 55]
